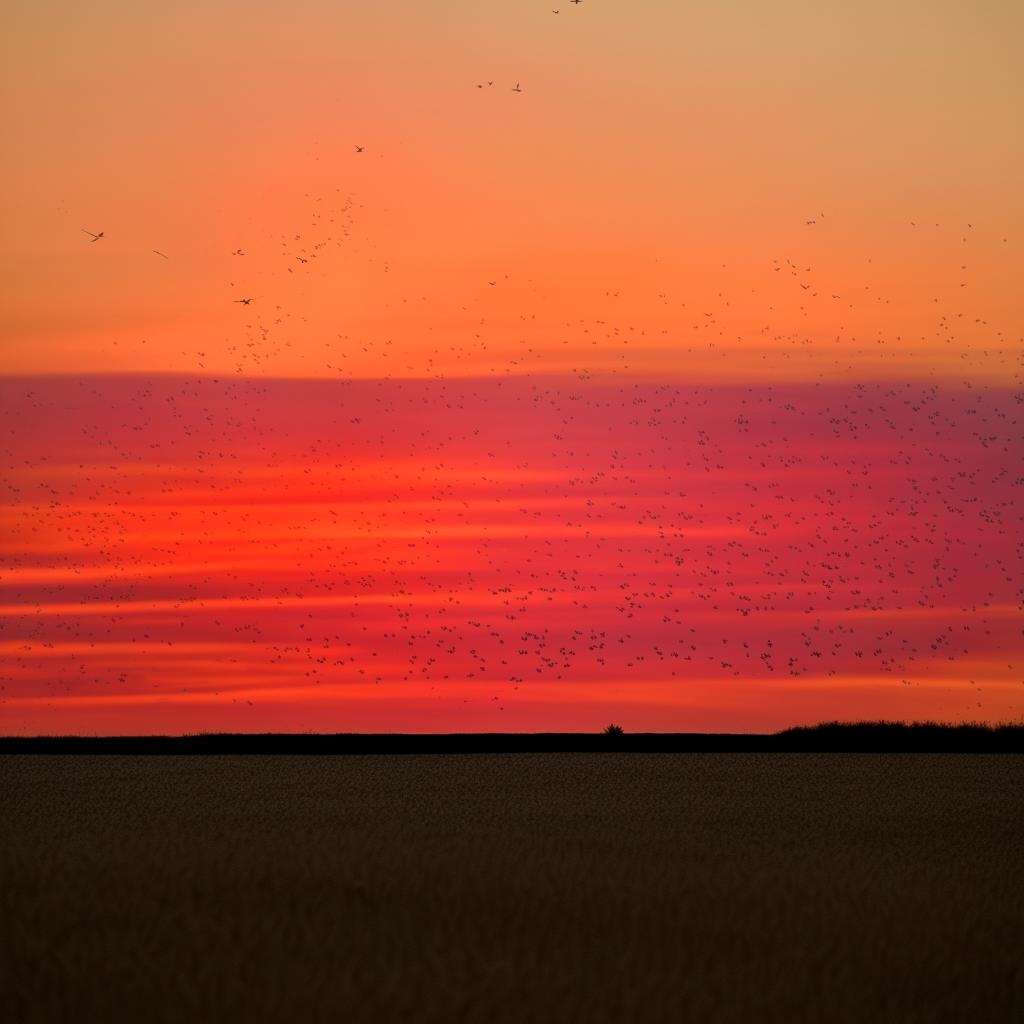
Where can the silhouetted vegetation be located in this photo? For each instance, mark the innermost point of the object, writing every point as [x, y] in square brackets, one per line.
[910, 736]
[862, 737]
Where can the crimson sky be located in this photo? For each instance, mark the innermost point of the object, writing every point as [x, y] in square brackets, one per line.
[679, 388]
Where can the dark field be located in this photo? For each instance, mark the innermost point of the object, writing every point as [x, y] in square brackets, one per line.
[521, 887]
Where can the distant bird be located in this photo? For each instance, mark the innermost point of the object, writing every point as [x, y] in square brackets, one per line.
[244, 302]
[95, 237]
[237, 252]
[159, 253]
[359, 149]
[575, 1]
[516, 88]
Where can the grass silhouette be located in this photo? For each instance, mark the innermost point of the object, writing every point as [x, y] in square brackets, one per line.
[850, 737]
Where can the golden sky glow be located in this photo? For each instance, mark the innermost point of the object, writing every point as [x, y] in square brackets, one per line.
[661, 164]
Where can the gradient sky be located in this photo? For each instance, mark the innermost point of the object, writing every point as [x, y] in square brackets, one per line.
[697, 356]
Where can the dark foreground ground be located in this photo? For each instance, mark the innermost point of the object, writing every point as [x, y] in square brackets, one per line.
[523, 887]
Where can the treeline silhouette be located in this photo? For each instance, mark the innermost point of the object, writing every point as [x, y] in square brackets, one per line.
[827, 737]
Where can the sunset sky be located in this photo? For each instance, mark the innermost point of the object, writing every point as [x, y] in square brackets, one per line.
[679, 388]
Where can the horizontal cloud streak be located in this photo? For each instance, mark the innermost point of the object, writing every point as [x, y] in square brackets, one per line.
[307, 554]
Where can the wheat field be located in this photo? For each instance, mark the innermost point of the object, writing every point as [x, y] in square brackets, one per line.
[534, 887]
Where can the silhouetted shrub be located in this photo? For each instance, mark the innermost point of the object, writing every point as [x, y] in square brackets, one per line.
[613, 730]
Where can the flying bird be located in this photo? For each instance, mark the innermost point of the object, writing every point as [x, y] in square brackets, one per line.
[244, 302]
[95, 237]
[163, 254]
[359, 149]
[516, 88]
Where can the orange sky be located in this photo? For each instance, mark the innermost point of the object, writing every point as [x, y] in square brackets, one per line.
[675, 388]
[660, 165]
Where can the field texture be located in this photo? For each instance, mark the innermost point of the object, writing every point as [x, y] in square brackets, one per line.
[535, 887]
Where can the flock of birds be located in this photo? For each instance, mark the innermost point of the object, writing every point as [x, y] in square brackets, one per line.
[213, 537]
[473, 541]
